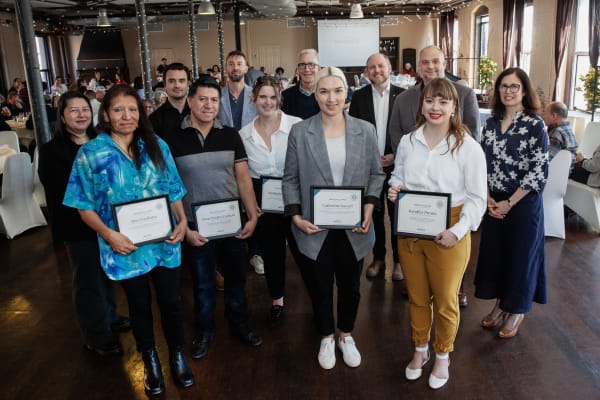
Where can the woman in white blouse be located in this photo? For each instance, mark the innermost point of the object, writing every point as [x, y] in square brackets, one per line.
[265, 140]
[438, 156]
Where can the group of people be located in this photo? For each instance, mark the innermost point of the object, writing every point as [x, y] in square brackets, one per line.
[209, 143]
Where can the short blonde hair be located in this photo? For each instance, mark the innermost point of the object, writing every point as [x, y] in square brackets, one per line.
[331, 71]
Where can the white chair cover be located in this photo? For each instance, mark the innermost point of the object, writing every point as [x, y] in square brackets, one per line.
[554, 193]
[18, 209]
[591, 139]
[38, 189]
[11, 139]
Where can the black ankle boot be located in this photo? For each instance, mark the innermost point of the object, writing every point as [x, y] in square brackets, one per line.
[182, 373]
[154, 382]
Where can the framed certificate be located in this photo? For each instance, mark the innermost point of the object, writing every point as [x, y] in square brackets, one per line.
[337, 207]
[422, 214]
[144, 221]
[271, 199]
[218, 219]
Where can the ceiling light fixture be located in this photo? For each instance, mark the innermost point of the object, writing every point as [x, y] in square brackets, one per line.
[356, 11]
[206, 8]
[102, 18]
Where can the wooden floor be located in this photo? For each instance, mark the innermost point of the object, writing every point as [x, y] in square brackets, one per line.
[556, 354]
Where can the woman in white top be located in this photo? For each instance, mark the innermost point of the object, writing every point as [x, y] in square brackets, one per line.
[332, 149]
[265, 140]
[438, 156]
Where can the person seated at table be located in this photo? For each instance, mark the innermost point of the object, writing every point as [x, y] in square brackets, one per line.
[59, 87]
[408, 70]
[560, 133]
[587, 170]
[12, 107]
[16, 86]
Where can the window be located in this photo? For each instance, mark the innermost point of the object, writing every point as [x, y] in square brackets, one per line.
[581, 58]
[455, 47]
[482, 23]
[41, 44]
[527, 37]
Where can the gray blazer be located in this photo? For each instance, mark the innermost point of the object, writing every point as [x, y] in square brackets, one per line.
[307, 163]
[404, 113]
[248, 111]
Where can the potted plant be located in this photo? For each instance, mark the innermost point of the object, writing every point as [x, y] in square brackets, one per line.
[590, 82]
[487, 69]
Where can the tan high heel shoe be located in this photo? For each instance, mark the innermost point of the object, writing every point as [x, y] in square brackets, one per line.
[511, 326]
[491, 321]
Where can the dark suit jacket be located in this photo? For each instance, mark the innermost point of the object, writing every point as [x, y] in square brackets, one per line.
[362, 107]
[404, 113]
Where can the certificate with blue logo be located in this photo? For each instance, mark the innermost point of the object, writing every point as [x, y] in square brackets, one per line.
[218, 219]
[422, 214]
[144, 221]
[337, 207]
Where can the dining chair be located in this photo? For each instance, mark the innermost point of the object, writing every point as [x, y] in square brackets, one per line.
[11, 139]
[18, 209]
[554, 193]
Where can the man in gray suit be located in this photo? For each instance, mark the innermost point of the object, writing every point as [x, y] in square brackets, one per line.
[237, 108]
[431, 65]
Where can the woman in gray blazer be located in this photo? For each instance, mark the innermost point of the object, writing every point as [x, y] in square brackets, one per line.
[332, 149]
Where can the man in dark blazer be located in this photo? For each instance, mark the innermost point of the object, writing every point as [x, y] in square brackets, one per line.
[373, 103]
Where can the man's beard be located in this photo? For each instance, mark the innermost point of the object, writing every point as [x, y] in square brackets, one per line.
[236, 78]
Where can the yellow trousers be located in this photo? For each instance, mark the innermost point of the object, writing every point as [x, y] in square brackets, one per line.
[433, 275]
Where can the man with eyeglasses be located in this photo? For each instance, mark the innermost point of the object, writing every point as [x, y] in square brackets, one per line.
[373, 103]
[431, 65]
[299, 100]
[237, 108]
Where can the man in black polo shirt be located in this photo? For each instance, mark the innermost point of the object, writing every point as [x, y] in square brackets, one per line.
[168, 117]
[213, 165]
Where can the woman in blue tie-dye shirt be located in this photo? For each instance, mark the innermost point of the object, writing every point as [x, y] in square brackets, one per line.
[126, 162]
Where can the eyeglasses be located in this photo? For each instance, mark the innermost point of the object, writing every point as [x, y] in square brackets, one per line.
[310, 66]
[514, 88]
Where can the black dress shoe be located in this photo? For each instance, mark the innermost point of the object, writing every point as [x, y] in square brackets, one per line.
[200, 346]
[275, 317]
[182, 373]
[121, 324]
[154, 383]
[108, 349]
[247, 336]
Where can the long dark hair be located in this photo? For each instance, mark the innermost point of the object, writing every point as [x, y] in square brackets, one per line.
[442, 87]
[144, 130]
[60, 128]
[531, 101]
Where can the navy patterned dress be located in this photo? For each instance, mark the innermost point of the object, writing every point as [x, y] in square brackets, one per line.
[511, 265]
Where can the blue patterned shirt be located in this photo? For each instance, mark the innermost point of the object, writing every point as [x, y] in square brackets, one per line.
[103, 175]
[562, 138]
[517, 158]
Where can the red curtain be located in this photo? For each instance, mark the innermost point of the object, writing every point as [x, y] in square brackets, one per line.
[564, 20]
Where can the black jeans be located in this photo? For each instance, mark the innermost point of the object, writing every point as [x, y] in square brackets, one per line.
[271, 233]
[335, 260]
[93, 293]
[379, 225]
[167, 283]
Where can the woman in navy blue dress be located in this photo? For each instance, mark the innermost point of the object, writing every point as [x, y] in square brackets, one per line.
[511, 266]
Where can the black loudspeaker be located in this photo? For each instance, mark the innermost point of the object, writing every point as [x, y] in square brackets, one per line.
[409, 56]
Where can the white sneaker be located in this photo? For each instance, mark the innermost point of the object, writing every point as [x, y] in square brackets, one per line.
[348, 348]
[259, 265]
[327, 353]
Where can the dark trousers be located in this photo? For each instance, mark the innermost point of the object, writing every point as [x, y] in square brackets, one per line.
[379, 225]
[271, 233]
[335, 260]
[167, 283]
[93, 293]
[231, 254]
